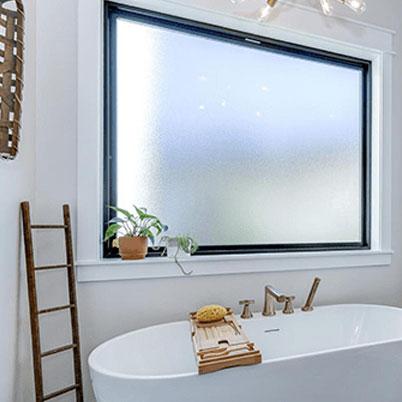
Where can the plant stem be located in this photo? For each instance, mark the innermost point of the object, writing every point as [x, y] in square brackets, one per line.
[127, 228]
[183, 271]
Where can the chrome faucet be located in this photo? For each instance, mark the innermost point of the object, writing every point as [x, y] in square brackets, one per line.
[271, 296]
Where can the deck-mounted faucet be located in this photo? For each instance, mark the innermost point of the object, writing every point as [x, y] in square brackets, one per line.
[271, 296]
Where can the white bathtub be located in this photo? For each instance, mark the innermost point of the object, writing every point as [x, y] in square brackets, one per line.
[344, 353]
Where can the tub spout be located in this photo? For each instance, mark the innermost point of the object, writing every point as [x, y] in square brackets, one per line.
[273, 295]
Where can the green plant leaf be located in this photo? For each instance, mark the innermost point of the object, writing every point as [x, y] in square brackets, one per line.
[140, 212]
[116, 219]
[126, 213]
[112, 231]
[145, 232]
[187, 244]
[148, 216]
[129, 218]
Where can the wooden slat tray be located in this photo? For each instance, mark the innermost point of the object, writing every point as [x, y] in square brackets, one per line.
[222, 344]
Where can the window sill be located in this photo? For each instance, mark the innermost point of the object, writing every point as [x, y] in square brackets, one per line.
[164, 267]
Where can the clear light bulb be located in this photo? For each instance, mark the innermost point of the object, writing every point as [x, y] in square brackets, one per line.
[358, 6]
[327, 7]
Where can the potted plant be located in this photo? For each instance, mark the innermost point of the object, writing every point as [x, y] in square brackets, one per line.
[132, 231]
[179, 246]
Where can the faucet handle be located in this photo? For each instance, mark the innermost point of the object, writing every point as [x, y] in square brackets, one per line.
[246, 314]
[288, 309]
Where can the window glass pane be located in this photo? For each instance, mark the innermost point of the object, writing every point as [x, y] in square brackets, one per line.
[235, 144]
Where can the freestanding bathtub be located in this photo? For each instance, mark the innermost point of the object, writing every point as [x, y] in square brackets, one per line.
[343, 353]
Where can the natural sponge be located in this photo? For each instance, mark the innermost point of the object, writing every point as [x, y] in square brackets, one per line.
[211, 313]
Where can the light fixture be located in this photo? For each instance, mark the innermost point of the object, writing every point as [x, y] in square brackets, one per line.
[358, 6]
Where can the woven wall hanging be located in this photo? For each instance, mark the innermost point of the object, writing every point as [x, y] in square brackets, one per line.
[11, 75]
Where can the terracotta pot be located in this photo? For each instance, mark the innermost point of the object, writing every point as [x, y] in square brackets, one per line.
[133, 248]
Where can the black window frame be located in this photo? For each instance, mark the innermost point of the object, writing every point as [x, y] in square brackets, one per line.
[114, 11]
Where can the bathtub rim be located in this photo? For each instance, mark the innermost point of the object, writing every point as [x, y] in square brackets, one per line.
[110, 373]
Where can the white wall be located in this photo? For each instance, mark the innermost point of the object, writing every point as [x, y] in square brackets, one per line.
[53, 184]
[16, 184]
[111, 308]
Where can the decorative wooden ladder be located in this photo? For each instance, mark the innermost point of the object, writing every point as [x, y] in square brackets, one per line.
[35, 313]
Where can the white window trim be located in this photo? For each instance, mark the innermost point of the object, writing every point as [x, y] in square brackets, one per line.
[367, 42]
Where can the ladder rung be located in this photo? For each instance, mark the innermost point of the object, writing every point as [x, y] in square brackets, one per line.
[48, 226]
[53, 309]
[44, 267]
[60, 392]
[58, 350]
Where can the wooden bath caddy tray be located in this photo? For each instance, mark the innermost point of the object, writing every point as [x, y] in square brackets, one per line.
[222, 344]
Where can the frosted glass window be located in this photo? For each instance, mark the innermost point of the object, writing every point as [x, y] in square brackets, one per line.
[235, 143]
